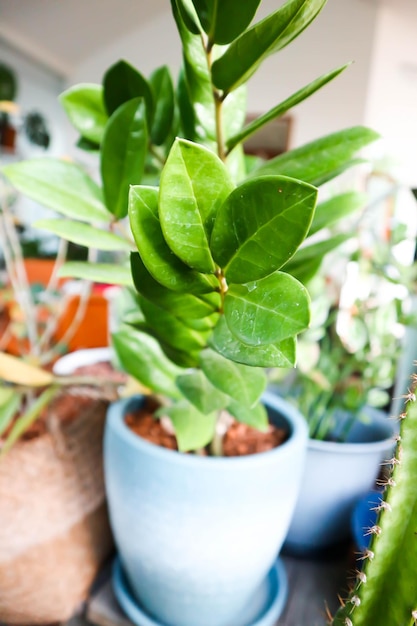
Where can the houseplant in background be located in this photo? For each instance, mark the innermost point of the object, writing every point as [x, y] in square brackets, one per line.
[55, 533]
[212, 310]
[346, 377]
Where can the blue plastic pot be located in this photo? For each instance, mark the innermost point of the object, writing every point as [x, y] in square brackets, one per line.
[198, 536]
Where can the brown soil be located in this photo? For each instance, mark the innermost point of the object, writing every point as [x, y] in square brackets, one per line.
[240, 439]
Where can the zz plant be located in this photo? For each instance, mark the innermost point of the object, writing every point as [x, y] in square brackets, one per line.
[216, 274]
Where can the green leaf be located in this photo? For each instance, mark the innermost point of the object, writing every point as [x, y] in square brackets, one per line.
[193, 429]
[85, 108]
[9, 405]
[272, 355]
[185, 11]
[320, 160]
[194, 184]
[307, 260]
[201, 393]
[170, 329]
[277, 30]
[163, 94]
[123, 154]
[141, 356]
[61, 186]
[268, 310]
[332, 210]
[107, 273]
[224, 21]
[87, 145]
[283, 107]
[195, 88]
[27, 419]
[156, 255]
[186, 110]
[255, 416]
[260, 226]
[83, 234]
[184, 306]
[242, 383]
[122, 82]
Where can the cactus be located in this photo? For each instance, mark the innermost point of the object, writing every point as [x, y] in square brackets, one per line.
[385, 591]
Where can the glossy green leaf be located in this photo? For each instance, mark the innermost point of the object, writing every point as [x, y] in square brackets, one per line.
[242, 383]
[107, 273]
[170, 329]
[224, 21]
[204, 323]
[184, 306]
[156, 255]
[61, 186]
[268, 355]
[84, 234]
[283, 107]
[260, 226]
[9, 405]
[141, 356]
[255, 416]
[186, 110]
[334, 209]
[194, 184]
[85, 108]
[322, 159]
[163, 95]
[123, 154]
[193, 429]
[268, 310]
[122, 82]
[307, 260]
[186, 12]
[196, 91]
[267, 36]
[199, 391]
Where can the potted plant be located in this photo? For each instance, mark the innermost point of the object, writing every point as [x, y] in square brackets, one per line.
[55, 533]
[345, 380]
[217, 301]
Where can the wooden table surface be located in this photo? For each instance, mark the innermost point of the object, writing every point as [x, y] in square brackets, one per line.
[314, 583]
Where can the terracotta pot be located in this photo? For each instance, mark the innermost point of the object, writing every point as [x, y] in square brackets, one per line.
[92, 332]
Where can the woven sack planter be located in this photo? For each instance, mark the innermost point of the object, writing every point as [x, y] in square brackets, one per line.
[54, 530]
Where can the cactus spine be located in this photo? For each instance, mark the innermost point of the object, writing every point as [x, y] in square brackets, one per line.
[385, 592]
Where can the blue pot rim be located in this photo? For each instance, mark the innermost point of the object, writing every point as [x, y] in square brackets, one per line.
[298, 432]
[377, 417]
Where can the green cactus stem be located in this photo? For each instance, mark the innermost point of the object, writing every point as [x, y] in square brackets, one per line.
[385, 591]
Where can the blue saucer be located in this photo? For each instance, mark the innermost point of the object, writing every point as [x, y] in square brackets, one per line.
[276, 595]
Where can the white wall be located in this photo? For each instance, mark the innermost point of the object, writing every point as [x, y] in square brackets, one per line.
[392, 90]
[37, 90]
[343, 32]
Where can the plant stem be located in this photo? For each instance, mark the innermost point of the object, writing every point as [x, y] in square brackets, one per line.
[16, 270]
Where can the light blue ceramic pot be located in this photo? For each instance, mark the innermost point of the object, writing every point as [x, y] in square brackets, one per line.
[197, 536]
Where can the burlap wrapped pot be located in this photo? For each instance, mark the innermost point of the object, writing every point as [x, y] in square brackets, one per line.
[54, 529]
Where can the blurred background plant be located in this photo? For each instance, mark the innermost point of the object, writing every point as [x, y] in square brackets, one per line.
[362, 304]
